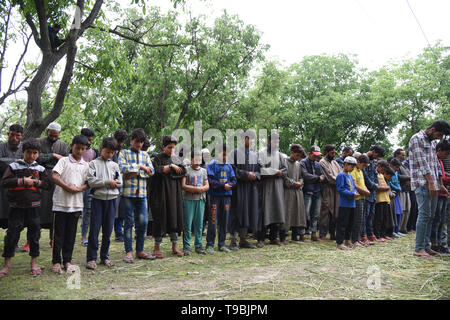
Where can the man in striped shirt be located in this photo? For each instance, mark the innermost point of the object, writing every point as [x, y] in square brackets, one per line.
[426, 181]
[136, 167]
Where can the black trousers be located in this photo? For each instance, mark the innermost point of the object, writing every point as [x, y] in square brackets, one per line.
[17, 220]
[413, 212]
[381, 219]
[273, 232]
[344, 224]
[64, 234]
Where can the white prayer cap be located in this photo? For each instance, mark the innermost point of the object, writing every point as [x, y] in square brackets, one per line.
[54, 126]
[205, 151]
[350, 160]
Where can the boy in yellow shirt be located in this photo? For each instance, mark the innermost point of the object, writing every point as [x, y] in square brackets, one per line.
[382, 206]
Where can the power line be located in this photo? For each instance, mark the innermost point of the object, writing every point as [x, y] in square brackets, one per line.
[417, 20]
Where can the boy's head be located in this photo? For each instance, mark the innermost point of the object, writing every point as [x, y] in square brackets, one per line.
[349, 164]
[89, 134]
[248, 136]
[363, 161]
[146, 145]
[297, 152]
[400, 154]
[168, 145]
[15, 134]
[382, 166]
[222, 155]
[443, 149]
[395, 164]
[79, 145]
[108, 148]
[196, 158]
[30, 150]
[121, 136]
[388, 173]
[137, 139]
[347, 151]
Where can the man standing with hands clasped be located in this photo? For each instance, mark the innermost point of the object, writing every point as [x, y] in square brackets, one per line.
[426, 181]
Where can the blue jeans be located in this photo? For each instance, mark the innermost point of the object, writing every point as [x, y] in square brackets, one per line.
[439, 222]
[313, 204]
[134, 211]
[368, 219]
[102, 216]
[87, 200]
[218, 217]
[427, 209]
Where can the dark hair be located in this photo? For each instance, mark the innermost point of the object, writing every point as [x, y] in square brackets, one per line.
[57, 26]
[347, 149]
[138, 134]
[329, 147]
[109, 143]
[383, 163]
[87, 132]
[444, 145]
[363, 159]
[378, 149]
[146, 144]
[397, 152]
[120, 135]
[80, 139]
[395, 162]
[16, 128]
[296, 148]
[195, 152]
[166, 140]
[31, 144]
[389, 171]
[441, 126]
[389, 159]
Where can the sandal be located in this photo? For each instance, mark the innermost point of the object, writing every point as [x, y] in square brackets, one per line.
[91, 265]
[35, 272]
[107, 263]
[146, 256]
[56, 268]
[128, 259]
[158, 254]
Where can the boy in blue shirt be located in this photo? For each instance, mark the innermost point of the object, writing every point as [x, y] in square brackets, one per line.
[221, 179]
[347, 204]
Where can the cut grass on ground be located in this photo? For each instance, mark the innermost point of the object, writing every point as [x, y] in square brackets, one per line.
[295, 271]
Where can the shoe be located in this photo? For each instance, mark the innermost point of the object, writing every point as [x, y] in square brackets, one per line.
[303, 239]
[203, 234]
[432, 252]
[210, 250]
[119, 238]
[395, 235]
[186, 251]
[224, 249]
[260, 244]
[246, 245]
[26, 247]
[275, 242]
[401, 234]
[234, 246]
[200, 251]
[84, 243]
[314, 237]
[443, 250]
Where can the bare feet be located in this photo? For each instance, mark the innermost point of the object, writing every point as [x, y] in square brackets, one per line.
[56, 268]
[343, 247]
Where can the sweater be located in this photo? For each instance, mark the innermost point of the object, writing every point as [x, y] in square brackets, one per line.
[98, 176]
[346, 189]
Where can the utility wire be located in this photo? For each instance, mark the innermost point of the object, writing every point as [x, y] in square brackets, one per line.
[417, 20]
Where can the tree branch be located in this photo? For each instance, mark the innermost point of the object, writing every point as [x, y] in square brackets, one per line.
[5, 42]
[31, 24]
[43, 26]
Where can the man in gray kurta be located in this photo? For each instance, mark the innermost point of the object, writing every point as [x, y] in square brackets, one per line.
[10, 151]
[272, 209]
[52, 149]
[330, 197]
[293, 195]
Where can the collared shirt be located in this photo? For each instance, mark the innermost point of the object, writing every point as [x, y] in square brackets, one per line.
[423, 160]
[372, 179]
[358, 178]
[130, 161]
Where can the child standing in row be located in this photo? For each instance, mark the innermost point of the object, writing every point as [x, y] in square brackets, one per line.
[24, 180]
[382, 217]
[195, 184]
[221, 179]
[70, 177]
[104, 179]
[347, 204]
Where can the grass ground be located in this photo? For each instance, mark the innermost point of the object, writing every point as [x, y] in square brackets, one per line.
[295, 271]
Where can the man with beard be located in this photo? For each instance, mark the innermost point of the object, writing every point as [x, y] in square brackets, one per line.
[52, 149]
[10, 151]
[330, 197]
[346, 152]
[272, 208]
[426, 182]
[244, 200]
[404, 175]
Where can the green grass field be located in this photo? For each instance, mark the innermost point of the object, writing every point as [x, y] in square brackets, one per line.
[295, 271]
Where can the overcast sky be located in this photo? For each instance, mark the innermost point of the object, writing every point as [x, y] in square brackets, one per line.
[376, 30]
